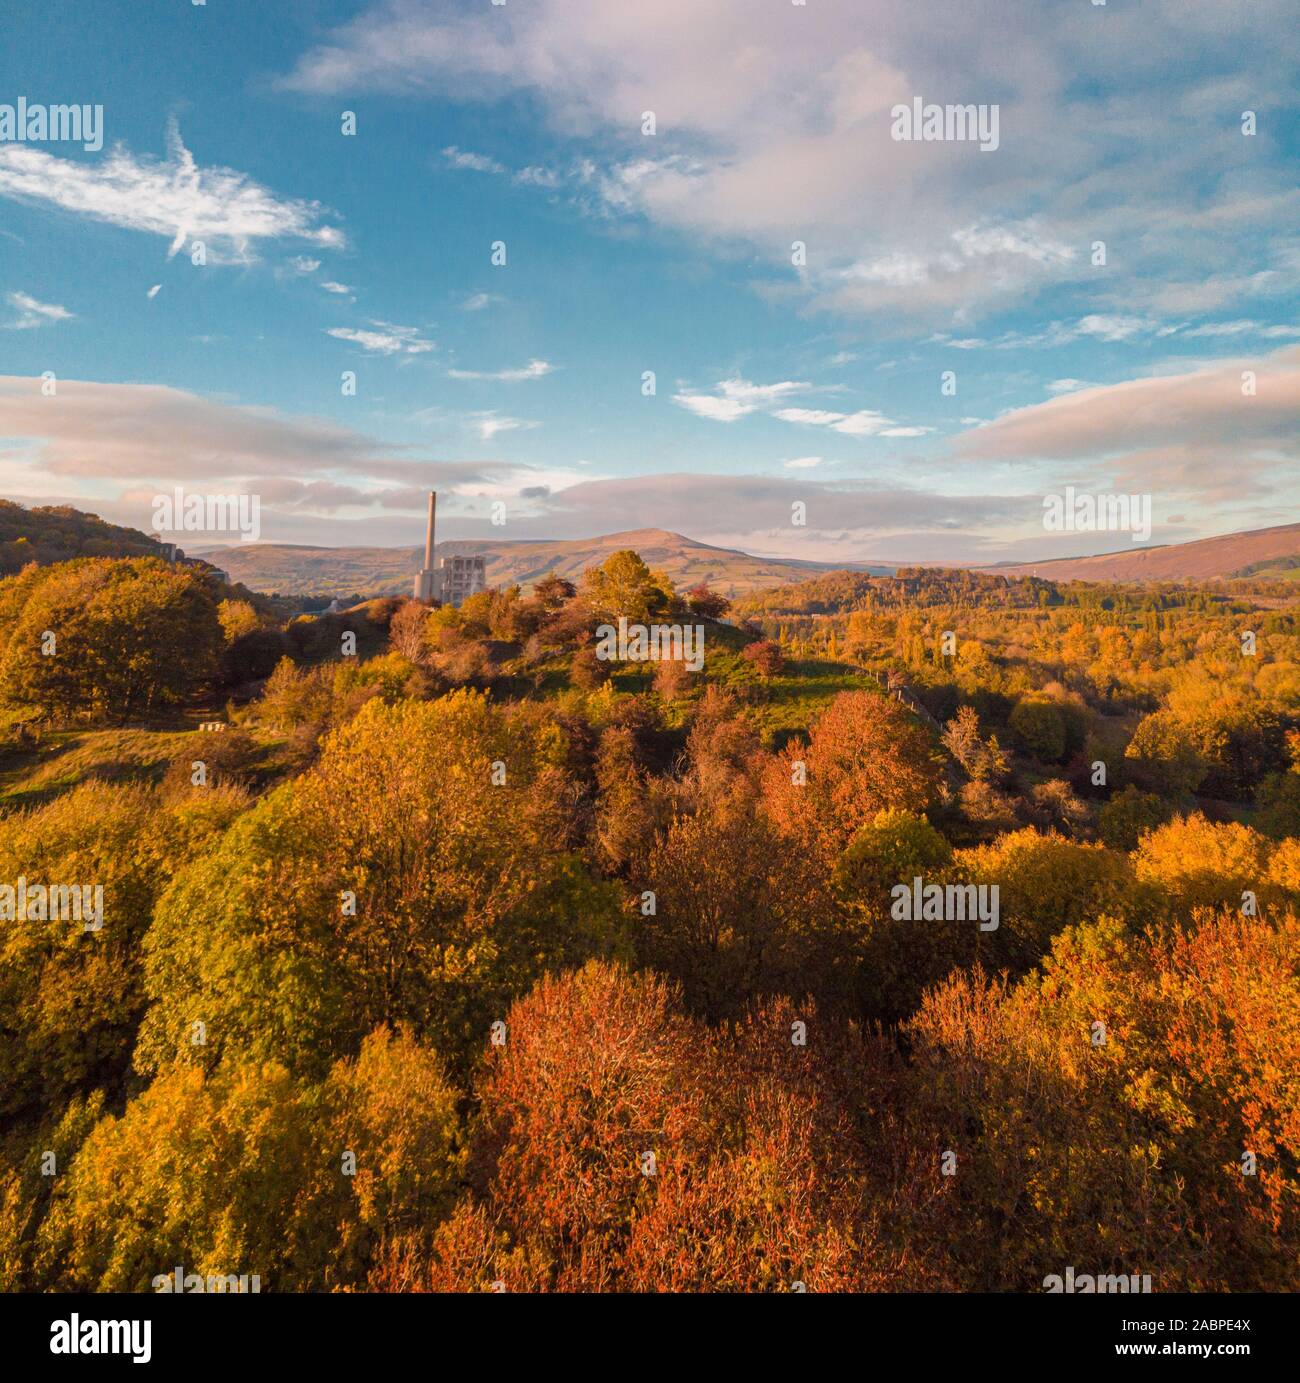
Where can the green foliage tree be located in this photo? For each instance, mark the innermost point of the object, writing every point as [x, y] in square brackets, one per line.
[1038, 727]
[624, 586]
[1130, 814]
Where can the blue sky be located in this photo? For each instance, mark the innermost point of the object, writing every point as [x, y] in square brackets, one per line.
[818, 382]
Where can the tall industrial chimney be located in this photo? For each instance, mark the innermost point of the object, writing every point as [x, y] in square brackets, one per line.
[425, 581]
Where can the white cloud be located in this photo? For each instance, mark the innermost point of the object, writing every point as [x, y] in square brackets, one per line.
[535, 369]
[331, 287]
[109, 448]
[33, 313]
[787, 133]
[866, 422]
[488, 424]
[174, 198]
[1113, 328]
[535, 176]
[758, 394]
[715, 409]
[737, 398]
[476, 302]
[814, 417]
[471, 162]
[803, 463]
[387, 340]
[1243, 328]
[154, 291]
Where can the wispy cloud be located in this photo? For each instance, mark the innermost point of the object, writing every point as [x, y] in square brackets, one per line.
[1276, 332]
[489, 424]
[33, 313]
[866, 422]
[812, 417]
[175, 198]
[737, 398]
[471, 162]
[535, 369]
[385, 339]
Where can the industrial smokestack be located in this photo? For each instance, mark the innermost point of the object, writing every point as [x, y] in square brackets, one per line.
[426, 582]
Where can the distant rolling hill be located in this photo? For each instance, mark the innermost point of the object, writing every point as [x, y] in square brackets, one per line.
[53, 534]
[291, 569]
[1259, 552]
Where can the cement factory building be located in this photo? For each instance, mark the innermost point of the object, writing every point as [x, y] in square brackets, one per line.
[455, 578]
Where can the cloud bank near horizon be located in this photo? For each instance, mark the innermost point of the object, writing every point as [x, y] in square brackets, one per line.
[110, 447]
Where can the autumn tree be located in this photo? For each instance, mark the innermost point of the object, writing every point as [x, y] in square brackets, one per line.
[1045, 884]
[1099, 1119]
[983, 759]
[104, 639]
[587, 670]
[765, 656]
[1038, 727]
[414, 874]
[624, 1146]
[553, 591]
[406, 630]
[706, 603]
[734, 915]
[1129, 814]
[865, 753]
[244, 1170]
[72, 984]
[1195, 862]
[886, 961]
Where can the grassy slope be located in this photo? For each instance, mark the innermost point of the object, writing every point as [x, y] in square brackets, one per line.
[65, 758]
